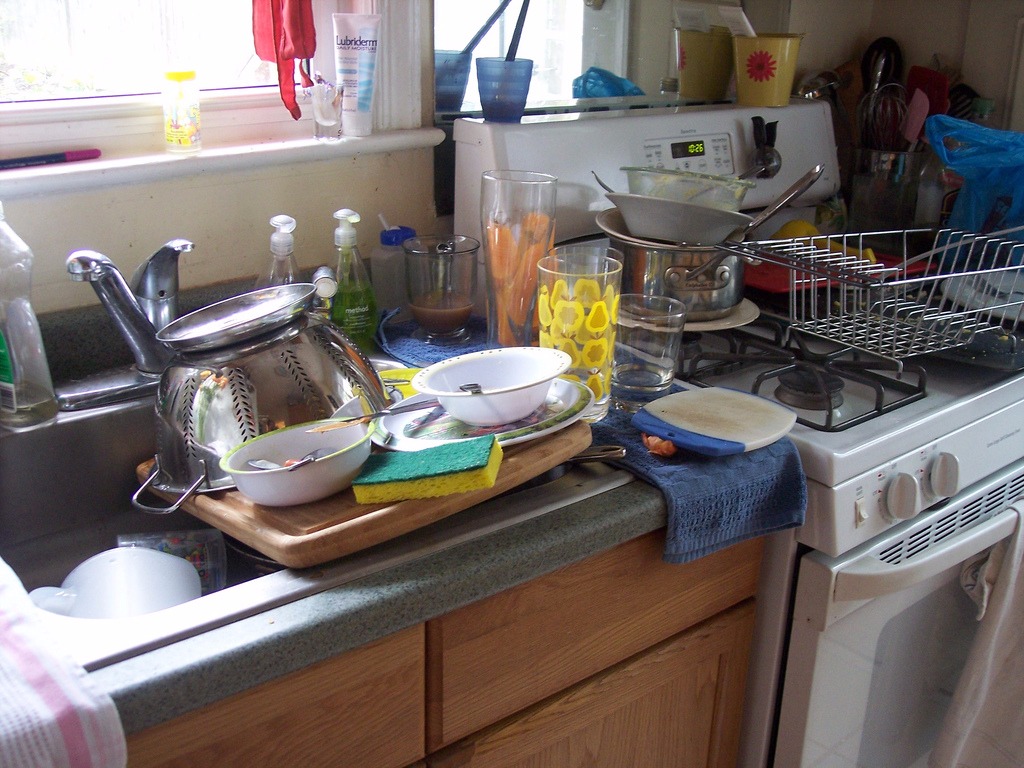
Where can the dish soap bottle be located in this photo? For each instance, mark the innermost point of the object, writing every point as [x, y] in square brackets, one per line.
[354, 309]
[26, 390]
[282, 269]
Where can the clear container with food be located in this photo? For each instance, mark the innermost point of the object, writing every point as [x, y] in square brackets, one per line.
[726, 192]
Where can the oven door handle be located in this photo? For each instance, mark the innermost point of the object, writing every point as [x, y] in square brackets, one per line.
[869, 577]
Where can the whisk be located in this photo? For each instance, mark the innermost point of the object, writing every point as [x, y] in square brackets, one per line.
[881, 115]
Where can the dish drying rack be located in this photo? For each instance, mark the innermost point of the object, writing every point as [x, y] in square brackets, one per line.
[906, 303]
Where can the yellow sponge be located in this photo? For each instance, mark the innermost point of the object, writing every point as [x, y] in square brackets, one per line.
[463, 465]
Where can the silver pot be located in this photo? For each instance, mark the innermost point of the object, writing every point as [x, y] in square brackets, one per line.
[239, 372]
[709, 281]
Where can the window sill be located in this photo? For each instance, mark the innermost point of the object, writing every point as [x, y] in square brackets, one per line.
[92, 174]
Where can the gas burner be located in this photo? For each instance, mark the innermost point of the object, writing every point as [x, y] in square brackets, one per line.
[810, 389]
[831, 386]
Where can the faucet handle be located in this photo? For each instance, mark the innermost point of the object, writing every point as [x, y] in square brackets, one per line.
[155, 282]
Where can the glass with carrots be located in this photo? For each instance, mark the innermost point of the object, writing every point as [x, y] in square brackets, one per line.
[517, 219]
[578, 290]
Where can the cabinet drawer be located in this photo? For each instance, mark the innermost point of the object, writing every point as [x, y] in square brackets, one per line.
[361, 709]
[500, 655]
[679, 703]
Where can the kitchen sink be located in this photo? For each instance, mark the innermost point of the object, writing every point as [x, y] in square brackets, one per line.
[66, 493]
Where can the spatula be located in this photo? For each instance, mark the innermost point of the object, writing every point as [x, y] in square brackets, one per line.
[917, 111]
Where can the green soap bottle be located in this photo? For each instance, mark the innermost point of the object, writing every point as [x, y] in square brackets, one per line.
[354, 309]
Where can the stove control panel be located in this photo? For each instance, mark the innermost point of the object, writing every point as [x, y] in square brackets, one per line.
[709, 138]
[711, 153]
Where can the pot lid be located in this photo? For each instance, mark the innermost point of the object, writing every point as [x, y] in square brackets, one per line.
[238, 318]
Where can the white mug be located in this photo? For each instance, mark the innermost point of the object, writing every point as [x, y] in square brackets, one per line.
[121, 582]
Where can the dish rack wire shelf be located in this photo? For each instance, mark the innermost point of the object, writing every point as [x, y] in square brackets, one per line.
[906, 304]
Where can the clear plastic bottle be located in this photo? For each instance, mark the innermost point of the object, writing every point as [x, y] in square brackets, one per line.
[937, 189]
[26, 389]
[282, 268]
[181, 111]
[354, 309]
[387, 269]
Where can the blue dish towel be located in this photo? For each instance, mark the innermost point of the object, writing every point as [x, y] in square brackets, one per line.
[714, 502]
[397, 340]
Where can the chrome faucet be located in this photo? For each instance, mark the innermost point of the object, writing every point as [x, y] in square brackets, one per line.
[151, 355]
[155, 283]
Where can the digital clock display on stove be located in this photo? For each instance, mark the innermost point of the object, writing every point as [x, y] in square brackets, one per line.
[691, 148]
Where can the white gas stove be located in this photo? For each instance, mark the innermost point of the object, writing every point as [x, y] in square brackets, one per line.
[912, 467]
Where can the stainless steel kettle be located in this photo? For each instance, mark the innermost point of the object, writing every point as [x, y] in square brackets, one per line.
[228, 384]
[235, 369]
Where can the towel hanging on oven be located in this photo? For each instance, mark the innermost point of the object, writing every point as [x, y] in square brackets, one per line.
[283, 32]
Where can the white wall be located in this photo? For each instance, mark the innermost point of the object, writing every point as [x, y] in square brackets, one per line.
[225, 214]
[973, 37]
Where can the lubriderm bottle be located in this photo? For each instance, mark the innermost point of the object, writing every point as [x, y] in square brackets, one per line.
[282, 269]
[354, 309]
[26, 390]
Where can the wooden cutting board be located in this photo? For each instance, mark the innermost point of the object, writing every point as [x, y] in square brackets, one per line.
[310, 534]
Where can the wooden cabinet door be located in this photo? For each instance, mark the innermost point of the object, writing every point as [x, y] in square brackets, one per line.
[363, 709]
[678, 704]
[496, 657]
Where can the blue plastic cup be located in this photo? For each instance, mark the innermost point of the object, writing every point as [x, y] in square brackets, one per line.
[504, 86]
[451, 73]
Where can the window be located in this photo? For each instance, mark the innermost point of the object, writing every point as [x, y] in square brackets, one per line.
[89, 50]
[76, 48]
[562, 38]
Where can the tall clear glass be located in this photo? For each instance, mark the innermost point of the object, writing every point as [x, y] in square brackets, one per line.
[517, 219]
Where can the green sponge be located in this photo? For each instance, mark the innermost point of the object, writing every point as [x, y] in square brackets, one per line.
[463, 465]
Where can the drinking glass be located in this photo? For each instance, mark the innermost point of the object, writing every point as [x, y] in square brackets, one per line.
[647, 336]
[577, 304]
[440, 278]
[517, 218]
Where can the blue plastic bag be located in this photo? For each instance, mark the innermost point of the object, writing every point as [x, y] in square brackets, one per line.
[597, 82]
[991, 163]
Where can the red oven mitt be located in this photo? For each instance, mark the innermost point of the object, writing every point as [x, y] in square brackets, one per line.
[283, 31]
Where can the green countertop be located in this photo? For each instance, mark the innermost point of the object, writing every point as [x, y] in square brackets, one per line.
[170, 681]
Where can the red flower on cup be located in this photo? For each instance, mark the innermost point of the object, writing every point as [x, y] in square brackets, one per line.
[761, 66]
[682, 57]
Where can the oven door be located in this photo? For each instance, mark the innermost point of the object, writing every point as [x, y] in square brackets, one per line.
[879, 637]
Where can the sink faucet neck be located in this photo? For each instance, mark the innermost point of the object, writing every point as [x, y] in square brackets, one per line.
[151, 356]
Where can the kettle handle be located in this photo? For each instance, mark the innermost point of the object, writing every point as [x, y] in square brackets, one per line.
[177, 504]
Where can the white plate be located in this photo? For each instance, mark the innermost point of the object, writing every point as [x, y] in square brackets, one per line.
[745, 313]
[417, 430]
[1001, 292]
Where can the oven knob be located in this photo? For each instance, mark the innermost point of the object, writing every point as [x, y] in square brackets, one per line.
[944, 475]
[901, 497]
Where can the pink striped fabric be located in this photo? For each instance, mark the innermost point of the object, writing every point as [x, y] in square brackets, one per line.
[50, 713]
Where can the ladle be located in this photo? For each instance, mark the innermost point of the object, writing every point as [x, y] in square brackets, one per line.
[800, 186]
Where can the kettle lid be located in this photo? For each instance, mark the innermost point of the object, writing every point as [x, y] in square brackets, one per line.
[238, 318]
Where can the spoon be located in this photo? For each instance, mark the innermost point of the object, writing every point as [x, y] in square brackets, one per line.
[348, 421]
[309, 458]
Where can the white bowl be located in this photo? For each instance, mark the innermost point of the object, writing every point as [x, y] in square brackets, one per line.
[654, 218]
[514, 381]
[349, 446]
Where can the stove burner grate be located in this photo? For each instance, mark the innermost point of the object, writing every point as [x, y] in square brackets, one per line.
[831, 387]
